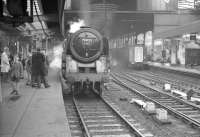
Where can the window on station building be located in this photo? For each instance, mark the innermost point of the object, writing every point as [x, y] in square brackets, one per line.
[120, 42]
[124, 41]
[130, 40]
[133, 40]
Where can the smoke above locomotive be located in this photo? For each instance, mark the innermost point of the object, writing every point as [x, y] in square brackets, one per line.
[75, 26]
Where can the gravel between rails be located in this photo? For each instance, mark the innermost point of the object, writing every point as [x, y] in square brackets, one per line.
[176, 129]
[176, 76]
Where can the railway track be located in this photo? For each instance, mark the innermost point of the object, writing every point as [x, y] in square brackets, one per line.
[183, 81]
[175, 75]
[188, 112]
[97, 117]
[160, 80]
[73, 118]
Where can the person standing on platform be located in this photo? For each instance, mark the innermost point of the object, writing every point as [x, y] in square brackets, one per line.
[16, 72]
[37, 61]
[28, 69]
[38, 68]
[45, 73]
[23, 61]
[5, 65]
[1, 97]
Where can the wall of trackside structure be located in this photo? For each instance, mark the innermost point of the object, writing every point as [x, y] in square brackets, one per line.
[157, 5]
[163, 22]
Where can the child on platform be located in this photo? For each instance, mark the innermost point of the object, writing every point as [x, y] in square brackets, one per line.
[16, 72]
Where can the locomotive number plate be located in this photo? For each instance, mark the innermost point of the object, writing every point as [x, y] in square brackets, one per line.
[86, 65]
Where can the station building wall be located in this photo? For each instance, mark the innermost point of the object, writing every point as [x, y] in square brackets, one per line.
[15, 44]
[163, 22]
[157, 5]
[3, 40]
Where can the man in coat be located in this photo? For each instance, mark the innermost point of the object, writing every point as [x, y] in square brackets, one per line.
[38, 68]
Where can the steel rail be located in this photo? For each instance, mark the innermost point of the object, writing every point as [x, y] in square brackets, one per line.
[167, 94]
[192, 121]
[120, 11]
[163, 80]
[81, 118]
[183, 78]
[136, 131]
[129, 11]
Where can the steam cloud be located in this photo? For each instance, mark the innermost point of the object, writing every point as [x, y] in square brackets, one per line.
[75, 26]
[57, 54]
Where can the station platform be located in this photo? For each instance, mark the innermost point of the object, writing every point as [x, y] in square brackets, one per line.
[194, 72]
[36, 112]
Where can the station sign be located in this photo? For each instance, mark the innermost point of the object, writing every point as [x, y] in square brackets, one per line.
[140, 38]
[186, 37]
[198, 38]
[189, 37]
[193, 36]
[139, 54]
[158, 42]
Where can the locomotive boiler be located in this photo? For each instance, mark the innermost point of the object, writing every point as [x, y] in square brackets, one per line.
[85, 61]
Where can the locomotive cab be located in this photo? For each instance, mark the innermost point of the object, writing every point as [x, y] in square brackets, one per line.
[86, 61]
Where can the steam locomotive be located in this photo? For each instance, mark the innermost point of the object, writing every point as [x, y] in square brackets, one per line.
[85, 61]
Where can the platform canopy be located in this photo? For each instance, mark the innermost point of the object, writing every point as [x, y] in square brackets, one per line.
[193, 27]
[45, 19]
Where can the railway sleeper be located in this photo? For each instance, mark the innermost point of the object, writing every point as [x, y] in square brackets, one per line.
[102, 117]
[106, 125]
[172, 104]
[195, 116]
[109, 131]
[189, 111]
[123, 135]
[167, 101]
[177, 106]
[107, 128]
[94, 121]
[184, 109]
